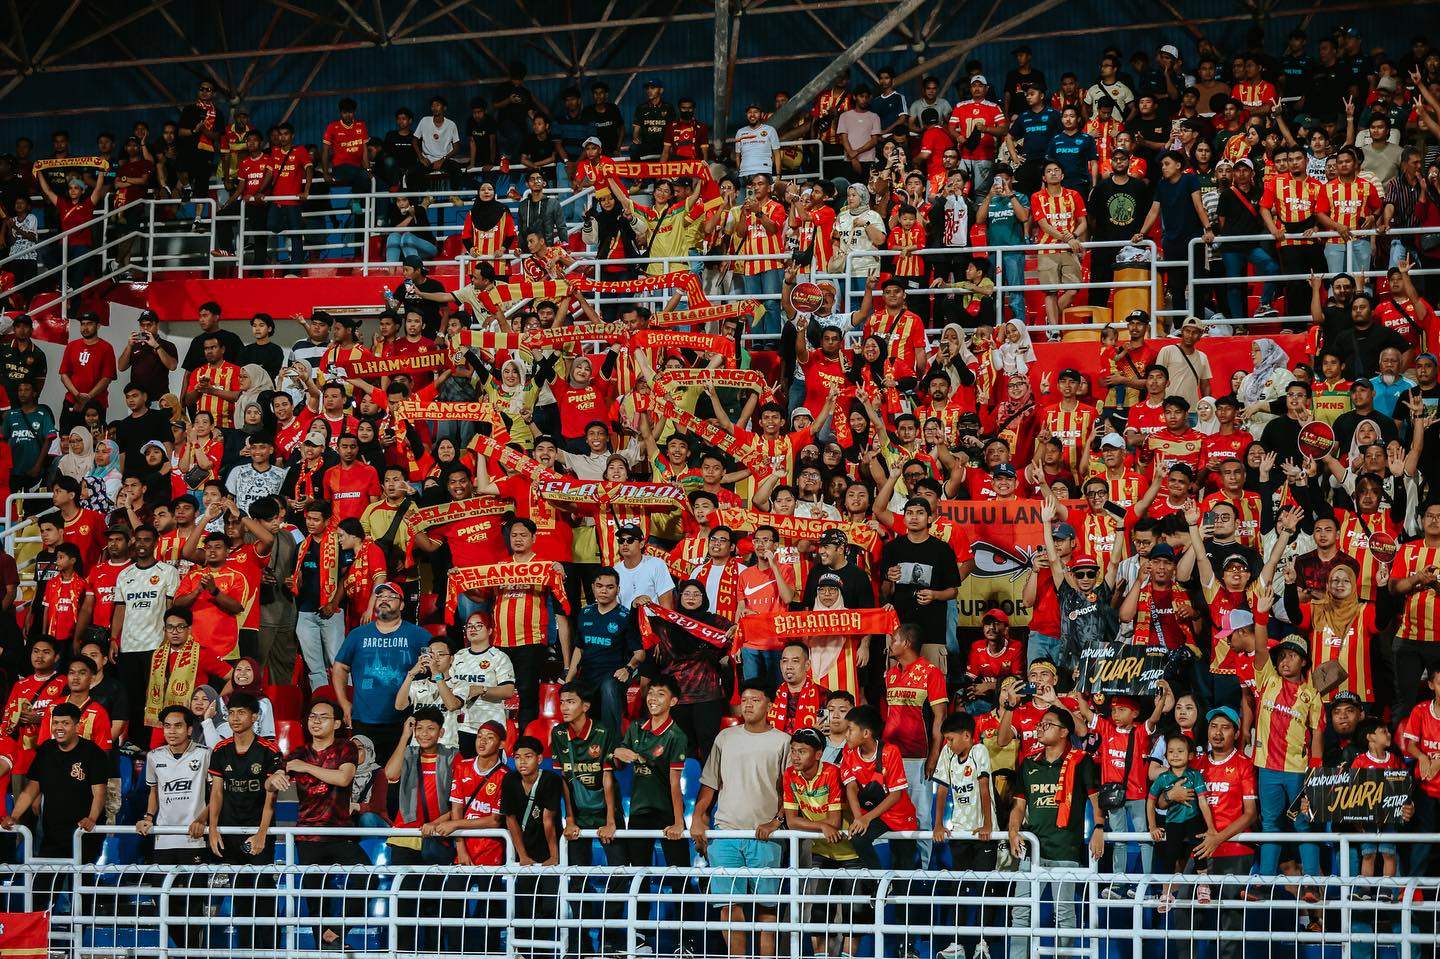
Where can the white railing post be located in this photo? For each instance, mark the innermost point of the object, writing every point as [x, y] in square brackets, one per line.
[240, 238]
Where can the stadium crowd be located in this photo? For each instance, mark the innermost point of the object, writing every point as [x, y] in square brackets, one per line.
[465, 571]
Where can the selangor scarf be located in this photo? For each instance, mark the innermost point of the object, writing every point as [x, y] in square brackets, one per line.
[168, 687]
[760, 629]
[701, 631]
[704, 314]
[659, 496]
[687, 283]
[724, 377]
[794, 528]
[539, 339]
[541, 574]
[476, 507]
[727, 593]
[678, 340]
[328, 542]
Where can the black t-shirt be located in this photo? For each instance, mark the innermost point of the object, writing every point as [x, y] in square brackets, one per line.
[856, 587]
[17, 366]
[535, 149]
[399, 148]
[1237, 217]
[1119, 208]
[1361, 348]
[482, 133]
[133, 432]
[147, 369]
[652, 121]
[1156, 130]
[242, 780]
[517, 801]
[195, 355]
[66, 778]
[429, 310]
[608, 123]
[268, 356]
[512, 120]
[928, 565]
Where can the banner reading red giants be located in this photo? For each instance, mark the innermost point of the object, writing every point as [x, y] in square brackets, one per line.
[1004, 537]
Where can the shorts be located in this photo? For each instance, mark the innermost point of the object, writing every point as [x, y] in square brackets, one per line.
[738, 854]
[1062, 267]
[1384, 848]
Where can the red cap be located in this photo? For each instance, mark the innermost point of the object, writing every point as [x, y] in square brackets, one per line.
[1078, 560]
[1128, 701]
[997, 614]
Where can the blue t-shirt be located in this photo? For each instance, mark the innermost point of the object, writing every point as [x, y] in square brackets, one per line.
[889, 108]
[378, 663]
[1002, 228]
[1033, 130]
[608, 639]
[1179, 222]
[1180, 812]
[1073, 151]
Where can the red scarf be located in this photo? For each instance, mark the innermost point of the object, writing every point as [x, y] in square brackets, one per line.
[760, 629]
[727, 593]
[701, 631]
[329, 544]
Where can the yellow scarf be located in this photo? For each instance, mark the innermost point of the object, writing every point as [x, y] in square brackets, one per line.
[170, 687]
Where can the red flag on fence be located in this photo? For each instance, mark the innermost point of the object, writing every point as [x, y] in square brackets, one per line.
[24, 935]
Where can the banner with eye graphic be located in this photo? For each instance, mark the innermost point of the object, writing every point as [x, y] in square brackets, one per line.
[1004, 538]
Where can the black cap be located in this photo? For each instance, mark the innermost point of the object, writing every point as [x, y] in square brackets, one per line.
[834, 537]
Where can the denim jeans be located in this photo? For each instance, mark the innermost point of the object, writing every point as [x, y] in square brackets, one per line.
[1359, 256]
[1235, 260]
[1064, 912]
[982, 173]
[1012, 273]
[1130, 818]
[1277, 791]
[922, 794]
[1042, 645]
[400, 245]
[760, 664]
[320, 638]
[765, 283]
[349, 179]
[611, 693]
[1398, 251]
[280, 217]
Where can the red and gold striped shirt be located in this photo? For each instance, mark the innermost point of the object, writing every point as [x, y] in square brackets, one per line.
[1072, 428]
[490, 245]
[1291, 200]
[1349, 647]
[907, 264]
[1348, 203]
[817, 232]
[757, 241]
[1104, 135]
[1063, 211]
[1285, 715]
[224, 375]
[521, 616]
[1420, 620]
[1355, 542]
[1248, 509]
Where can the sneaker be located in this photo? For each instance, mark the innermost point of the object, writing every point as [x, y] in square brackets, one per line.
[1202, 894]
[642, 947]
[952, 951]
[1266, 310]
[1385, 895]
[1362, 895]
[1112, 893]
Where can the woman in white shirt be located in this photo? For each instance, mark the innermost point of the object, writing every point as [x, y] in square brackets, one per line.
[858, 229]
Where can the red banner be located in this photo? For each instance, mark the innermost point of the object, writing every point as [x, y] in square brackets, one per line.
[765, 630]
[24, 935]
[1004, 538]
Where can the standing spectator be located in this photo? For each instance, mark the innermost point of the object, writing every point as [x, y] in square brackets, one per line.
[1029, 136]
[607, 652]
[476, 786]
[1074, 150]
[289, 189]
[859, 130]
[322, 772]
[741, 785]
[378, 655]
[757, 145]
[1420, 741]
[686, 138]
[515, 107]
[86, 371]
[343, 156]
[916, 703]
[29, 432]
[1188, 366]
[647, 131]
[315, 583]
[760, 228]
[66, 780]
[428, 688]
[152, 357]
[929, 99]
[200, 128]
[1182, 216]
[605, 118]
[483, 677]
[436, 141]
[21, 360]
[1055, 785]
[239, 769]
[974, 126]
[1414, 580]
[530, 803]
[1059, 218]
[177, 773]
[179, 666]
[1005, 215]
[214, 386]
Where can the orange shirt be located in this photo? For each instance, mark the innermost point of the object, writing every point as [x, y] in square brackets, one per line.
[1291, 200]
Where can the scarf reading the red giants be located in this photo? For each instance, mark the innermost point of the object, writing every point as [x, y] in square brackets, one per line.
[471, 412]
[734, 379]
[704, 314]
[760, 629]
[678, 340]
[685, 282]
[475, 507]
[541, 574]
[707, 191]
[701, 631]
[795, 528]
[710, 432]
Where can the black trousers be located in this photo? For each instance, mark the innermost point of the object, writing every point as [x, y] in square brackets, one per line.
[528, 662]
[182, 933]
[420, 901]
[1411, 660]
[701, 724]
[1302, 259]
[330, 852]
[260, 934]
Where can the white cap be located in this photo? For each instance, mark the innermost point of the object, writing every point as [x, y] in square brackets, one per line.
[588, 141]
[980, 78]
[1113, 441]
[1171, 49]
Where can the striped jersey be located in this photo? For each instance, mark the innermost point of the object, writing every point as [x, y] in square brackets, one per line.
[817, 232]
[1064, 212]
[1354, 540]
[1420, 620]
[1285, 715]
[1249, 509]
[756, 240]
[521, 616]
[1291, 200]
[1348, 203]
[1256, 94]
[907, 264]
[1349, 647]
[1071, 427]
[225, 376]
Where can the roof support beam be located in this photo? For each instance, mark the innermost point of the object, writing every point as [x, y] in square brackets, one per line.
[846, 60]
[965, 46]
[720, 79]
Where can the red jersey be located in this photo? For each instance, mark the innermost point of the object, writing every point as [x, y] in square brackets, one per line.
[102, 580]
[685, 138]
[86, 364]
[964, 121]
[1025, 720]
[817, 232]
[984, 664]
[1257, 94]
[63, 599]
[1218, 447]
[1403, 318]
[37, 693]
[252, 174]
[291, 171]
[1121, 756]
[1348, 204]
[251, 567]
[351, 488]
[554, 535]
[580, 405]
[821, 373]
[907, 264]
[1064, 212]
[477, 792]
[86, 530]
[908, 690]
[1149, 419]
[217, 630]
[1422, 730]
[1228, 783]
[346, 143]
[756, 240]
[288, 437]
[904, 333]
[94, 725]
[886, 767]
[830, 103]
[1185, 447]
[1249, 509]
[1071, 427]
[1420, 619]
[1291, 200]
[224, 375]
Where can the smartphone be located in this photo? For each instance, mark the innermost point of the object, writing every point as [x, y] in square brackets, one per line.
[1210, 517]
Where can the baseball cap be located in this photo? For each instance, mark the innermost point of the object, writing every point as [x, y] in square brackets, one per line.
[1235, 620]
[413, 261]
[155, 443]
[1194, 321]
[346, 320]
[630, 529]
[1163, 551]
[1290, 646]
[1004, 469]
[829, 579]
[1171, 49]
[1223, 712]
[1361, 384]
[1083, 561]
[388, 588]
[591, 141]
[1245, 162]
[997, 614]
[1064, 531]
[1112, 441]
[1346, 698]
[834, 537]
[654, 82]
[317, 436]
[979, 78]
[1235, 559]
[1140, 315]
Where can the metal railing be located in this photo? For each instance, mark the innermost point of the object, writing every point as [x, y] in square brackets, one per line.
[1041, 908]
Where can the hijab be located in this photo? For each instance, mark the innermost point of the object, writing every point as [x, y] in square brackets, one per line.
[1009, 409]
[1356, 457]
[260, 383]
[171, 404]
[365, 771]
[486, 214]
[78, 465]
[254, 687]
[103, 482]
[1206, 426]
[1335, 615]
[1272, 358]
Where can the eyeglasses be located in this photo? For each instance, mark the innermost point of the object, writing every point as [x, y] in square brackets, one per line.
[1049, 726]
[176, 627]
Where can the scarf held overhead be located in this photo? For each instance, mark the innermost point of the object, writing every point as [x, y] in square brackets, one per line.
[703, 314]
[660, 496]
[477, 507]
[687, 283]
[710, 432]
[539, 339]
[733, 379]
[794, 528]
[369, 369]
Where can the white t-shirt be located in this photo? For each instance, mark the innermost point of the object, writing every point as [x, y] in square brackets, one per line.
[492, 667]
[852, 236]
[425, 693]
[964, 779]
[436, 139]
[755, 149]
[145, 594]
[651, 578]
[248, 484]
[181, 782]
[712, 579]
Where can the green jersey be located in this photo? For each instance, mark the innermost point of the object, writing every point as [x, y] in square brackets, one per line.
[1040, 787]
[584, 760]
[660, 751]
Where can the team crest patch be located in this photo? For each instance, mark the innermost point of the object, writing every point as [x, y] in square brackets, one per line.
[491, 788]
[658, 751]
[594, 752]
